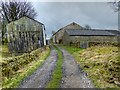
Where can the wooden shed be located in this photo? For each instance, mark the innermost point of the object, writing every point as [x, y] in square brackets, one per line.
[25, 35]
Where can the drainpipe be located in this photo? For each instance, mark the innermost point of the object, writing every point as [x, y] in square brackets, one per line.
[44, 37]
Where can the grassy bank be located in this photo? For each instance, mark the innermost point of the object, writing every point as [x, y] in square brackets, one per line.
[23, 72]
[102, 63]
[57, 74]
[4, 53]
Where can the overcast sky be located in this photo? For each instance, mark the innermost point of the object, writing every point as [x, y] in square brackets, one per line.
[58, 14]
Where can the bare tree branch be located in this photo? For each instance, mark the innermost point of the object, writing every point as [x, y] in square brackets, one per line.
[115, 5]
[87, 26]
[13, 10]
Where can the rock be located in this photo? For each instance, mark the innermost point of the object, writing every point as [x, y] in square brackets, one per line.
[117, 83]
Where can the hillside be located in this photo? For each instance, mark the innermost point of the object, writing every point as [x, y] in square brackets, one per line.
[102, 64]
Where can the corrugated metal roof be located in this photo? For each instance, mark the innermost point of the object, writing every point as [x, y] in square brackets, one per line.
[116, 32]
[90, 32]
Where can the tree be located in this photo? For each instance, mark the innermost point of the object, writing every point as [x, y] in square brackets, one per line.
[2, 26]
[87, 26]
[115, 5]
[13, 10]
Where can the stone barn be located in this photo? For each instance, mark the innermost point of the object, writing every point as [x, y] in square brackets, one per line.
[0, 36]
[58, 36]
[84, 38]
[25, 35]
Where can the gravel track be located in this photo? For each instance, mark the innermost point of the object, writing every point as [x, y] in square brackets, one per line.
[73, 75]
[42, 75]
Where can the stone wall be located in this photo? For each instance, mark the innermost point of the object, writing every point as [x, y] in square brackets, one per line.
[58, 37]
[54, 39]
[0, 31]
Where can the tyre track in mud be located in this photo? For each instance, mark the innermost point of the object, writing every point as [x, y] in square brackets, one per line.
[73, 75]
[43, 74]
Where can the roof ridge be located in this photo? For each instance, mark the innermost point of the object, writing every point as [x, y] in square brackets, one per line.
[27, 17]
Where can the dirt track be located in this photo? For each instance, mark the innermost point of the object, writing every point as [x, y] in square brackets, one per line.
[42, 75]
[73, 76]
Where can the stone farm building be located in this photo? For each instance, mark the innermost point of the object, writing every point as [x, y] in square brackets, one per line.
[58, 36]
[0, 32]
[84, 38]
[25, 35]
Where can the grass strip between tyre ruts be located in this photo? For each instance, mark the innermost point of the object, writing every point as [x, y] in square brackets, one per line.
[57, 73]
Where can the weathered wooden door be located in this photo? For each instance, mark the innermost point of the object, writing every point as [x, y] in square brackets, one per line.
[83, 44]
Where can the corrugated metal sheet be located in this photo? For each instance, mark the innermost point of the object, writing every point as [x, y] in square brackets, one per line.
[116, 32]
[90, 32]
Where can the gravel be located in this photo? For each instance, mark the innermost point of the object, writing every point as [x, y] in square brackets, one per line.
[43, 74]
[73, 75]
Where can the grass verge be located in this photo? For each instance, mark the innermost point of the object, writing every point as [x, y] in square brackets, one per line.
[4, 51]
[71, 49]
[57, 74]
[26, 71]
[102, 63]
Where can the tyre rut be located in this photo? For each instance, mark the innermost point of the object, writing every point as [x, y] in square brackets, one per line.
[43, 74]
[73, 75]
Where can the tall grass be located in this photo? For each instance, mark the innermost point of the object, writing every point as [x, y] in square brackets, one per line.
[24, 72]
[102, 63]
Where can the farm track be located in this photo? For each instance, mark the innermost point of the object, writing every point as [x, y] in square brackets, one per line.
[42, 75]
[73, 76]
